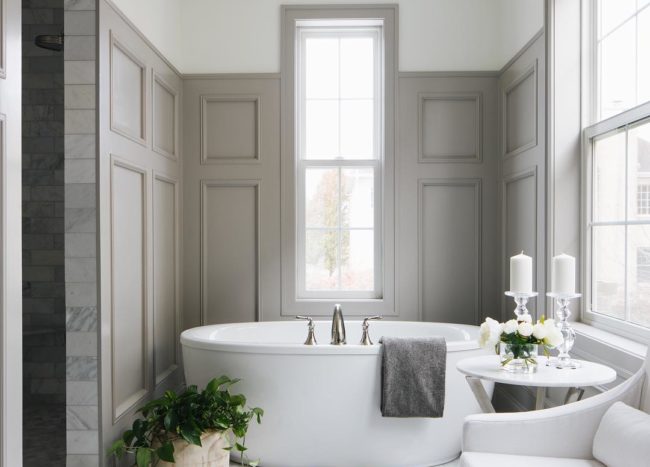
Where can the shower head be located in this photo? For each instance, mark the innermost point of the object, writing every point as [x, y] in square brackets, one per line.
[50, 42]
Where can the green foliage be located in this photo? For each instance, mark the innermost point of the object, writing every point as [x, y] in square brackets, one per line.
[187, 415]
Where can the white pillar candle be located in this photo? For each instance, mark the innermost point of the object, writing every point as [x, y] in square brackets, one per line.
[563, 274]
[521, 273]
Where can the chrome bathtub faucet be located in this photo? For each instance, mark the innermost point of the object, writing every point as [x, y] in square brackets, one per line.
[338, 326]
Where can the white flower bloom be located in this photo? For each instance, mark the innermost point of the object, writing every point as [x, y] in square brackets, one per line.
[489, 333]
[526, 319]
[553, 338]
[549, 323]
[540, 331]
[525, 329]
[510, 326]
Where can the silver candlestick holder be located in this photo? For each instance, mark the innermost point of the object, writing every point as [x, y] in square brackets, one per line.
[521, 299]
[562, 314]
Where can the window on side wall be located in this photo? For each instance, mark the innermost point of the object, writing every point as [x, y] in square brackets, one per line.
[616, 168]
[340, 178]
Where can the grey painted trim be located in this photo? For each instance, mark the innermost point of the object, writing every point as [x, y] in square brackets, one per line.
[530, 70]
[214, 183]
[477, 184]
[116, 43]
[289, 14]
[135, 29]
[477, 97]
[3, 39]
[449, 74]
[126, 406]
[242, 76]
[549, 31]
[226, 159]
[522, 51]
[156, 78]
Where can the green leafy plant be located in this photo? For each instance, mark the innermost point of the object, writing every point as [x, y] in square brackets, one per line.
[187, 416]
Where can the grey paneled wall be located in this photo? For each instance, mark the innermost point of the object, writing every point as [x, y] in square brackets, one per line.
[522, 165]
[446, 197]
[139, 198]
[231, 133]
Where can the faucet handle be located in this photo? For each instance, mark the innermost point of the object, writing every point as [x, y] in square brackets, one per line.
[365, 337]
[311, 337]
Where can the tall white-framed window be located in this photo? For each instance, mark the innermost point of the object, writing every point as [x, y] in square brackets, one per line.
[339, 159]
[619, 36]
[338, 78]
[616, 166]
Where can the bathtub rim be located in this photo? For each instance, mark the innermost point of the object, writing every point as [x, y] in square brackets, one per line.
[198, 338]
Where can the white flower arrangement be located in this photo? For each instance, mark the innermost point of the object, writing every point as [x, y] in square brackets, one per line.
[520, 332]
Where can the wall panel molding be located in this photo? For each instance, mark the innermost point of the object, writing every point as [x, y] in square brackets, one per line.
[475, 184]
[450, 124]
[206, 239]
[164, 148]
[123, 364]
[517, 88]
[236, 134]
[139, 135]
[173, 324]
[3, 39]
[507, 182]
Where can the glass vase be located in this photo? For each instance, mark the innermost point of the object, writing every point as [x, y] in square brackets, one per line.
[518, 358]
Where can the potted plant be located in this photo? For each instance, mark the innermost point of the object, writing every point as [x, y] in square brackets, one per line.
[191, 428]
[517, 341]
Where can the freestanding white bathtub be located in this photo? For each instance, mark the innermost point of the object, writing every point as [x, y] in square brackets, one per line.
[321, 402]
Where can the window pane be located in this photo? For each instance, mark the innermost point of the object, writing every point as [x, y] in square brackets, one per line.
[321, 260]
[357, 207]
[643, 56]
[322, 67]
[357, 260]
[322, 129]
[608, 271]
[639, 168]
[638, 278]
[322, 197]
[357, 67]
[357, 129]
[609, 178]
[613, 12]
[618, 70]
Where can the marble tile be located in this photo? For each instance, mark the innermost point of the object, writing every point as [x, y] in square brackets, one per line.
[82, 460]
[80, 96]
[79, 47]
[81, 318]
[80, 270]
[81, 417]
[79, 122]
[80, 220]
[79, 23]
[80, 294]
[80, 147]
[81, 368]
[79, 72]
[81, 344]
[80, 245]
[82, 441]
[79, 5]
[80, 195]
[79, 170]
[81, 393]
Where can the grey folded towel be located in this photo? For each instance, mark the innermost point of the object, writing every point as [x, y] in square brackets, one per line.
[413, 376]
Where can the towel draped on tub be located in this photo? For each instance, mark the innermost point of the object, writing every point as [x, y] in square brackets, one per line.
[413, 376]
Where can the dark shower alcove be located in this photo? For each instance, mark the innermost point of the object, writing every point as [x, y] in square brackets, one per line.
[44, 421]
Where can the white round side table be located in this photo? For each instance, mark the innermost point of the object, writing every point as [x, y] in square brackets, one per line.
[487, 367]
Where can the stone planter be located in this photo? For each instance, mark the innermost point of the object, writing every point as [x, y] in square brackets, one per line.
[210, 454]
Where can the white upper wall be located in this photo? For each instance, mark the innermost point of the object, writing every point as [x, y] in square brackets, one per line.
[243, 36]
[159, 21]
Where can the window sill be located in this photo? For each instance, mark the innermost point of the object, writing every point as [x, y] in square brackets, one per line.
[595, 344]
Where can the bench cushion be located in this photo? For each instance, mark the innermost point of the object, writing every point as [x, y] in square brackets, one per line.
[622, 437]
[488, 459]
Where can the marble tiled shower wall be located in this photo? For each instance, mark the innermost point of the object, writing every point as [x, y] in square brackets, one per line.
[43, 167]
[82, 419]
